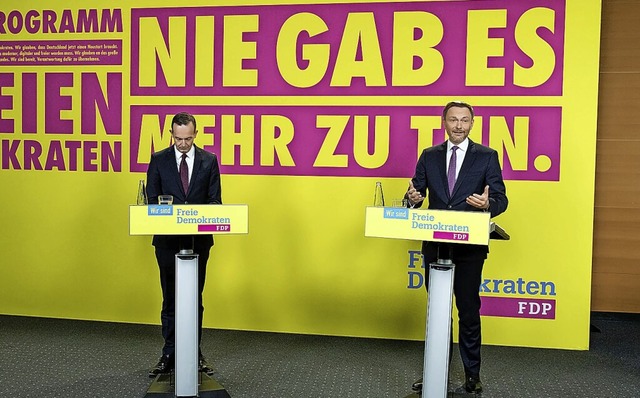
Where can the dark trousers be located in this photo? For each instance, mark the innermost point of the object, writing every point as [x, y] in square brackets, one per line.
[466, 288]
[166, 263]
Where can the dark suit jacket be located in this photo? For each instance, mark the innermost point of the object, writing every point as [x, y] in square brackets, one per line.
[163, 178]
[480, 168]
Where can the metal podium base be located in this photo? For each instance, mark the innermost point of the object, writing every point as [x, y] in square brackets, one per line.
[450, 394]
[163, 386]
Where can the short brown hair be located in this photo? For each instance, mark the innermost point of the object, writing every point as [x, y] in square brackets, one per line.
[457, 104]
[183, 119]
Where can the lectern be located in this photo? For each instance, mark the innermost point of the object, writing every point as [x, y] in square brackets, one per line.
[187, 220]
[438, 226]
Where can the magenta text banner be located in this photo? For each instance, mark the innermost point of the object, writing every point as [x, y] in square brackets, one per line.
[518, 307]
[450, 236]
[375, 141]
[454, 48]
[61, 52]
[214, 227]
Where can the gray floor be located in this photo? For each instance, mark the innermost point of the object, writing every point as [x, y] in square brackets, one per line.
[61, 358]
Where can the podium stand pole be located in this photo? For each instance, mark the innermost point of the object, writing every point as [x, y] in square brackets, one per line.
[188, 381]
[438, 329]
[186, 357]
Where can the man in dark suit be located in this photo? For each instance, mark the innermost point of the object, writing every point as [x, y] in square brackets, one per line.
[190, 175]
[461, 175]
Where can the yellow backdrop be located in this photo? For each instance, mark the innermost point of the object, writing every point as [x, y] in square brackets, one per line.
[305, 266]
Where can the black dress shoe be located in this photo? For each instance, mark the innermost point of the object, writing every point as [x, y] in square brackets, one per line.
[417, 385]
[472, 385]
[203, 366]
[164, 365]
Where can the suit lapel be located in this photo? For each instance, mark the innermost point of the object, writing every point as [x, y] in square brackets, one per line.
[197, 162]
[173, 167]
[467, 164]
[441, 162]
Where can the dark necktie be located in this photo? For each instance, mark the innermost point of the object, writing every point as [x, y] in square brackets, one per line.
[184, 173]
[451, 173]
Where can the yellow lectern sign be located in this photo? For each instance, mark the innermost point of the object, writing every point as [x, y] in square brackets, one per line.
[470, 227]
[188, 219]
